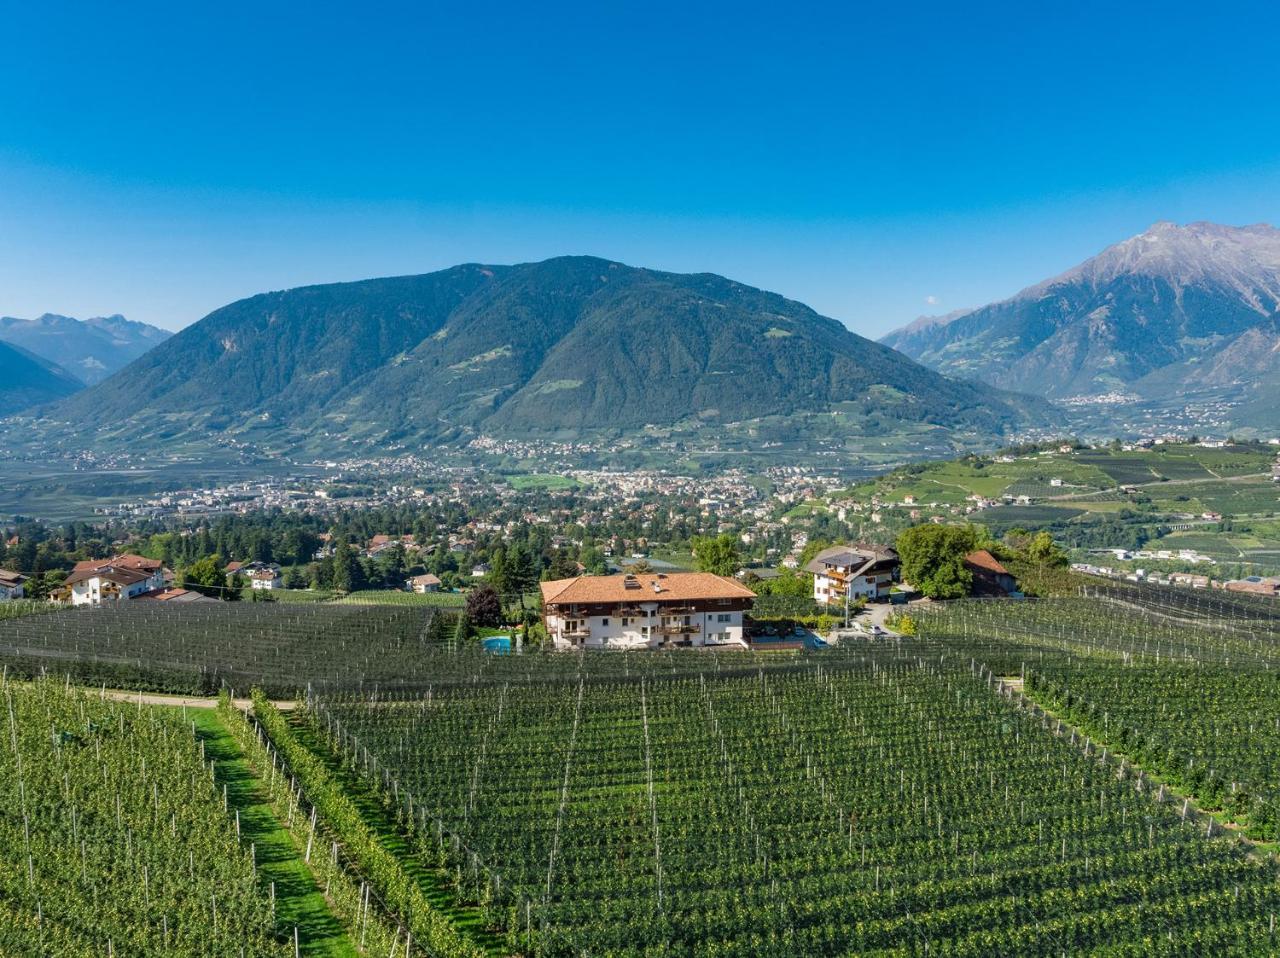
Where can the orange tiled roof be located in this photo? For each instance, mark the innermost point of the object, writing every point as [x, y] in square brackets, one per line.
[982, 559]
[675, 586]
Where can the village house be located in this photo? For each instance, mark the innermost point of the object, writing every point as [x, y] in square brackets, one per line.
[423, 583]
[646, 610]
[382, 543]
[844, 573]
[267, 578]
[11, 585]
[125, 576]
[990, 578]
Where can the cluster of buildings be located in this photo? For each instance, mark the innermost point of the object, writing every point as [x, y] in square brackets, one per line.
[656, 610]
[122, 577]
[263, 576]
[1253, 585]
[1190, 556]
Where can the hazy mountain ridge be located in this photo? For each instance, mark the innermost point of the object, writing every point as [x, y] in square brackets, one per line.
[89, 349]
[540, 349]
[1151, 314]
[27, 380]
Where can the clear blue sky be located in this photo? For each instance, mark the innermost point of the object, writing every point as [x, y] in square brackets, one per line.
[875, 161]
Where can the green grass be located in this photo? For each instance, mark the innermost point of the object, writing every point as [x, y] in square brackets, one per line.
[433, 882]
[1244, 497]
[17, 608]
[433, 600]
[292, 595]
[299, 901]
[1093, 505]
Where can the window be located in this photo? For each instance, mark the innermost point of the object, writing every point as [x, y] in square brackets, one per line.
[625, 622]
[724, 617]
[604, 622]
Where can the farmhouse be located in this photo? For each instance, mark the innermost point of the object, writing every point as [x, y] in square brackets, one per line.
[266, 579]
[423, 583]
[843, 573]
[645, 610]
[990, 578]
[11, 584]
[125, 576]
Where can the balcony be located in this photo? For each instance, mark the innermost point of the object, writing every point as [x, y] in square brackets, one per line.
[577, 632]
[679, 628]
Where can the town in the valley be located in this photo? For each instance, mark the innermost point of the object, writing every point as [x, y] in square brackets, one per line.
[790, 557]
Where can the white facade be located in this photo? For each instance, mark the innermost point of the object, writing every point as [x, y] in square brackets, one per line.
[830, 590]
[844, 573]
[646, 625]
[97, 589]
[11, 588]
[265, 580]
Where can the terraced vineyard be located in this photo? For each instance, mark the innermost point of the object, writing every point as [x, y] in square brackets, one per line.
[877, 808]
[113, 837]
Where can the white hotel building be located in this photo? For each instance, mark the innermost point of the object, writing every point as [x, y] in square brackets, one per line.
[647, 610]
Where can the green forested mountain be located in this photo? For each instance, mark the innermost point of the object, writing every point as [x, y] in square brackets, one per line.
[558, 348]
[26, 380]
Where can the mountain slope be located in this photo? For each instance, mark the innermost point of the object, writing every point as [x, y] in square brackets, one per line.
[90, 349]
[554, 348]
[1143, 315]
[27, 380]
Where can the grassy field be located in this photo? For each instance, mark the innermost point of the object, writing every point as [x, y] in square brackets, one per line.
[293, 595]
[1238, 497]
[431, 600]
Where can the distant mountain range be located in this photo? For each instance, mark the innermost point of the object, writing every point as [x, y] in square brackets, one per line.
[26, 380]
[88, 349]
[1177, 309]
[556, 349]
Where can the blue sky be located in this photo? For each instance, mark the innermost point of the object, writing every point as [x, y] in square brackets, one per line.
[876, 162]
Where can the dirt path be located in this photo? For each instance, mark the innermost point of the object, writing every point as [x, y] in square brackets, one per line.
[187, 701]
